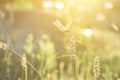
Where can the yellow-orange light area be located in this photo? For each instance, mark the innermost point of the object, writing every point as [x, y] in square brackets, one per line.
[59, 5]
[108, 5]
[48, 4]
[88, 32]
[100, 17]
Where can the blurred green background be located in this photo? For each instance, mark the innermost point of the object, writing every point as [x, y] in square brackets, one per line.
[26, 27]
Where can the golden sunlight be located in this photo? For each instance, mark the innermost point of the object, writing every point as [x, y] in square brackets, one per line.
[108, 5]
[88, 32]
[48, 4]
[59, 5]
[100, 17]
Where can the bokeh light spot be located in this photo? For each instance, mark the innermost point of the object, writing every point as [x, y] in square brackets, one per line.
[108, 5]
[88, 32]
[48, 4]
[59, 5]
[100, 17]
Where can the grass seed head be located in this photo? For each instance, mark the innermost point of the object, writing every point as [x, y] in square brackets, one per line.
[72, 46]
[96, 67]
[24, 62]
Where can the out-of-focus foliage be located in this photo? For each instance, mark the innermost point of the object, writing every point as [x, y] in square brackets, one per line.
[47, 49]
[22, 5]
[94, 23]
[29, 44]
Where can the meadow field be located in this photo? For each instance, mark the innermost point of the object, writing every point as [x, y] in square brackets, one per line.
[60, 40]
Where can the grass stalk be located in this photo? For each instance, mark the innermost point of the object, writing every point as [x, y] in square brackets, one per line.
[74, 69]
[37, 71]
[25, 74]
